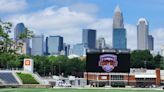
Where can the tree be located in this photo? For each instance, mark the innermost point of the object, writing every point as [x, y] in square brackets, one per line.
[162, 63]
[144, 59]
[158, 61]
[75, 67]
[41, 65]
[5, 41]
[27, 34]
[140, 58]
[8, 61]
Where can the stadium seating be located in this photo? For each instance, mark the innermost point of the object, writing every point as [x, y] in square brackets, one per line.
[8, 78]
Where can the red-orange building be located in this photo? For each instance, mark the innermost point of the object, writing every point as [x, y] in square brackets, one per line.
[136, 77]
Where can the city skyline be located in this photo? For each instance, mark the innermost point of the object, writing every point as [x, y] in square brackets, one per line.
[66, 19]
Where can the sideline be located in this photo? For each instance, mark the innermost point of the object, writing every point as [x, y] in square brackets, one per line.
[108, 88]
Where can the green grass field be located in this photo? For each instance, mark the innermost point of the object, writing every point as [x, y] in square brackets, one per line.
[74, 90]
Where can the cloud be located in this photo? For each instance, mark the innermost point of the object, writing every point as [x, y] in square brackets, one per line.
[85, 7]
[64, 1]
[104, 29]
[58, 21]
[131, 32]
[8, 6]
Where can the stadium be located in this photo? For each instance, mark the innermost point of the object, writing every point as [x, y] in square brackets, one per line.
[118, 77]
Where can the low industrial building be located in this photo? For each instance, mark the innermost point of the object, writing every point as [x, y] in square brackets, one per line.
[137, 78]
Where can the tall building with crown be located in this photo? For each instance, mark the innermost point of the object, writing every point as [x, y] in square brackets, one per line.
[142, 34]
[144, 40]
[119, 32]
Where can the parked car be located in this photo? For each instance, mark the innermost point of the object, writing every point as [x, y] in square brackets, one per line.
[66, 85]
[63, 84]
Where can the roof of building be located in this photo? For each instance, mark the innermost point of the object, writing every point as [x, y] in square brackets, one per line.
[141, 20]
[142, 71]
[145, 76]
[117, 9]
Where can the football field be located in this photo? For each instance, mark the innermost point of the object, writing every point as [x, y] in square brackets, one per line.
[75, 90]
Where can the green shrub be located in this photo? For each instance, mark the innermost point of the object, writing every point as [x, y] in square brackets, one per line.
[27, 78]
[118, 84]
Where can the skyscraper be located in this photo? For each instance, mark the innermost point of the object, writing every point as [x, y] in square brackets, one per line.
[118, 18]
[119, 32]
[25, 48]
[79, 49]
[46, 46]
[89, 38]
[54, 45]
[37, 45]
[20, 28]
[67, 49]
[119, 38]
[150, 42]
[101, 43]
[142, 34]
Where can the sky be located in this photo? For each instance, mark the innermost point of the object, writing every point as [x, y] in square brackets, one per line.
[68, 17]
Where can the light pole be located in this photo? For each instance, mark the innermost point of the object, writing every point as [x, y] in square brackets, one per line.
[59, 68]
[145, 63]
[54, 69]
[44, 71]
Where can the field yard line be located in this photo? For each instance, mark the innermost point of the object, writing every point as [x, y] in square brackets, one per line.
[109, 88]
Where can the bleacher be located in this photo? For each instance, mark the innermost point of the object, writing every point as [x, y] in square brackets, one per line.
[12, 78]
[8, 78]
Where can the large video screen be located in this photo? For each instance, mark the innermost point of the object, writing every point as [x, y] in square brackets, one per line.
[108, 62]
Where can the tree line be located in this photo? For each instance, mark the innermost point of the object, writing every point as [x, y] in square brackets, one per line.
[45, 65]
[144, 59]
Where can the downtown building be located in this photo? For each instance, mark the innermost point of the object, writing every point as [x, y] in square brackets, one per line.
[37, 45]
[89, 38]
[119, 32]
[101, 44]
[66, 49]
[79, 49]
[19, 28]
[88, 43]
[54, 45]
[150, 42]
[23, 45]
[144, 40]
